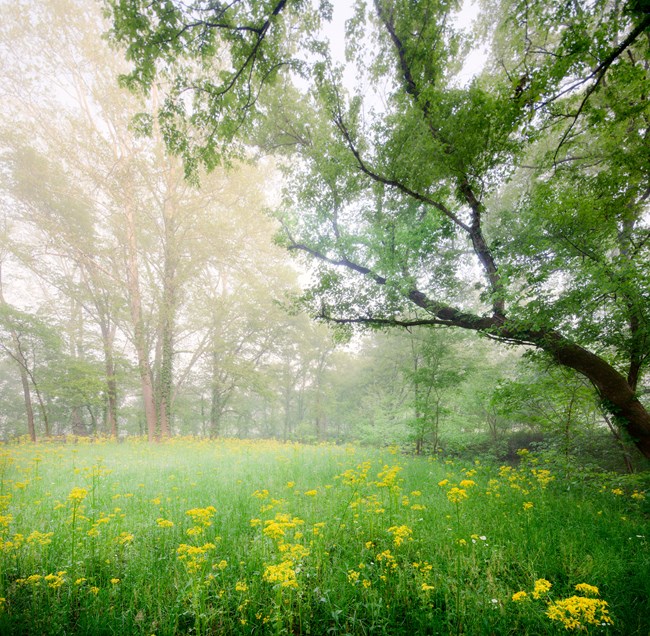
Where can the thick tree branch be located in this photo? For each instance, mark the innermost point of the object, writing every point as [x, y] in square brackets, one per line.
[394, 183]
[474, 230]
[611, 385]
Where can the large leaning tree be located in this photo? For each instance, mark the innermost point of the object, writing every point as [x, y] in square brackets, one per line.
[527, 185]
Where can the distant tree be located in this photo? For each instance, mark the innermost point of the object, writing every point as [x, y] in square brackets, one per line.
[433, 374]
[33, 346]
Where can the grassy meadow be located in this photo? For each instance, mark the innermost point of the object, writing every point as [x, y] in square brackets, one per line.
[253, 537]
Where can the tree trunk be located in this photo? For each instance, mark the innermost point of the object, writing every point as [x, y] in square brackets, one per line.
[135, 303]
[29, 409]
[78, 426]
[617, 395]
[108, 336]
[24, 380]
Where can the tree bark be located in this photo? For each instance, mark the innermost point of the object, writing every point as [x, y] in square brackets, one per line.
[135, 303]
[108, 335]
[29, 409]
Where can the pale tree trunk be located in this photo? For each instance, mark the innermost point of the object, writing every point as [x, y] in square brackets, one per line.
[135, 304]
[17, 355]
[168, 317]
[108, 337]
[29, 409]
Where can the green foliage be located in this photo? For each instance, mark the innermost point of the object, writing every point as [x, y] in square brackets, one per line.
[75, 383]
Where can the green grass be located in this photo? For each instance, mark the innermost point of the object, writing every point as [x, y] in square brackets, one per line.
[292, 539]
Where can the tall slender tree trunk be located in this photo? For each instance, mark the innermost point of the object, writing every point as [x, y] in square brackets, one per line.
[108, 337]
[135, 303]
[168, 320]
[22, 366]
[29, 409]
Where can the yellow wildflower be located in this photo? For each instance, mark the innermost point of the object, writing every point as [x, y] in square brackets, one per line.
[456, 495]
[400, 534]
[41, 538]
[125, 538]
[577, 612]
[164, 523]
[283, 573]
[517, 597]
[202, 516]
[77, 494]
[353, 576]
[585, 588]
[55, 580]
[388, 477]
[543, 476]
[542, 586]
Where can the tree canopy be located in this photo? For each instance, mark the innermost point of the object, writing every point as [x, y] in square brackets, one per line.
[513, 204]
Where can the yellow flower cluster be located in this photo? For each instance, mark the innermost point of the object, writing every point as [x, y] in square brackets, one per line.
[585, 588]
[388, 477]
[193, 556]
[277, 527]
[283, 574]
[386, 558]
[124, 538]
[542, 586]
[202, 518]
[293, 551]
[456, 495]
[400, 534]
[371, 504]
[103, 519]
[543, 476]
[354, 477]
[40, 538]
[577, 612]
[77, 495]
[55, 581]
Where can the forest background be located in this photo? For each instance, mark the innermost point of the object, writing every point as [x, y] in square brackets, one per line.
[134, 301]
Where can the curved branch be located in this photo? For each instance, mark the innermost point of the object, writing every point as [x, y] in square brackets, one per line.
[599, 73]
